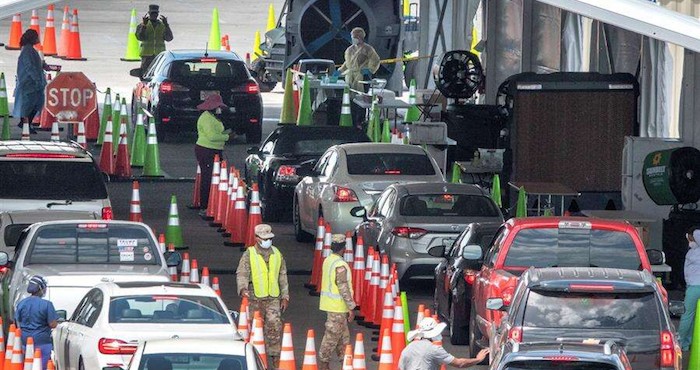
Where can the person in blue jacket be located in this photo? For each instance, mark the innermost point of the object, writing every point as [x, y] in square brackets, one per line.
[36, 317]
[29, 91]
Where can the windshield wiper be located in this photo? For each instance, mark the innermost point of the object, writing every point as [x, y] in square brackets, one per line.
[67, 202]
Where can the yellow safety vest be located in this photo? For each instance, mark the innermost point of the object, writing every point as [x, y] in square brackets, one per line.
[331, 300]
[265, 275]
[154, 42]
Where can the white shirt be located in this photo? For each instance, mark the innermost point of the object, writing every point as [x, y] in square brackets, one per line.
[423, 355]
[692, 266]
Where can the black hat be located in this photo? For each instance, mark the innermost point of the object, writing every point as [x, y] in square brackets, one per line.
[153, 8]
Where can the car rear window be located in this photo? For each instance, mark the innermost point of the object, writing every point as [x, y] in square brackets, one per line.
[92, 244]
[390, 164]
[182, 70]
[448, 205]
[187, 361]
[614, 311]
[554, 247]
[157, 308]
[315, 143]
[558, 365]
[69, 180]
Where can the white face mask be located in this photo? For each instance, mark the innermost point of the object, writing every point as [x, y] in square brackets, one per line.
[218, 110]
[266, 243]
[355, 41]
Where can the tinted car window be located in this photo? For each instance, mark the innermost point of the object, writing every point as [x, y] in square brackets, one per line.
[182, 70]
[574, 248]
[51, 180]
[448, 205]
[117, 244]
[628, 311]
[558, 365]
[314, 143]
[390, 164]
[187, 361]
[12, 233]
[166, 309]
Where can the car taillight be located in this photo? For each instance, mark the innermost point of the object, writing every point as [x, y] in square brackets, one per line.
[507, 295]
[409, 232]
[344, 195]
[252, 88]
[591, 287]
[108, 346]
[287, 174]
[668, 353]
[107, 213]
[167, 87]
[469, 276]
[516, 334]
[561, 358]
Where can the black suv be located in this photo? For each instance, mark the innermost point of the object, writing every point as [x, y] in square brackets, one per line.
[561, 356]
[593, 305]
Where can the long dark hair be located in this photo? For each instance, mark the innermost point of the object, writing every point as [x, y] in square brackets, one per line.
[30, 37]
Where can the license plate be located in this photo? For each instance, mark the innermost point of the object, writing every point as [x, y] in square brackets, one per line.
[204, 94]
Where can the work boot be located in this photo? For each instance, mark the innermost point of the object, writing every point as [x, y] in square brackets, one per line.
[323, 365]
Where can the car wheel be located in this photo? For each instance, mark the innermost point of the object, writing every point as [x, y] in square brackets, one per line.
[458, 329]
[299, 233]
[254, 134]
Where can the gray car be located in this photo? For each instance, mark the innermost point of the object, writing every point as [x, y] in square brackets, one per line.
[408, 219]
[561, 355]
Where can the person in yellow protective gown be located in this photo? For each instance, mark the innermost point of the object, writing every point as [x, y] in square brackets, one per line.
[361, 60]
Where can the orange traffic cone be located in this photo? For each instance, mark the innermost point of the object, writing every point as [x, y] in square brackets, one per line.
[194, 272]
[161, 243]
[215, 285]
[347, 359]
[243, 329]
[387, 319]
[287, 361]
[65, 33]
[221, 198]
[205, 276]
[7, 361]
[106, 155]
[50, 365]
[383, 283]
[364, 301]
[398, 334]
[240, 218]
[135, 205]
[258, 337]
[81, 135]
[254, 217]
[247, 59]
[348, 256]
[34, 25]
[74, 49]
[325, 252]
[2, 346]
[358, 358]
[372, 293]
[317, 264]
[419, 314]
[122, 168]
[36, 364]
[310, 352]
[213, 187]
[15, 33]
[172, 270]
[185, 271]
[29, 354]
[16, 361]
[386, 358]
[295, 91]
[227, 224]
[196, 204]
[55, 136]
[49, 43]
[358, 270]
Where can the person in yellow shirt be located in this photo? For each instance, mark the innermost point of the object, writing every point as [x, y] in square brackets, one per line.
[211, 138]
[361, 61]
[337, 301]
[153, 32]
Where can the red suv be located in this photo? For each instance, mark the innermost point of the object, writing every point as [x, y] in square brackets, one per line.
[540, 242]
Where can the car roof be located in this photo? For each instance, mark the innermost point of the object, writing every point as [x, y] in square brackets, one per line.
[439, 187]
[68, 150]
[183, 54]
[78, 222]
[115, 289]
[561, 278]
[210, 346]
[363, 148]
[39, 215]
[555, 221]
[295, 128]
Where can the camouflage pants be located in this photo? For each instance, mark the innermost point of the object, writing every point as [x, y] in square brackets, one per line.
[272, 323]
[336, 337]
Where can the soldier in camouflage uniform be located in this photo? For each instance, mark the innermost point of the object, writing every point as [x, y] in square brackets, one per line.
[262, 277]
[337, 301]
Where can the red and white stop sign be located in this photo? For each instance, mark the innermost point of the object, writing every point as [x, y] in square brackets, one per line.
[71, 97]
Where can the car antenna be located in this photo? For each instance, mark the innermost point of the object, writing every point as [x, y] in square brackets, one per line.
[206, 49]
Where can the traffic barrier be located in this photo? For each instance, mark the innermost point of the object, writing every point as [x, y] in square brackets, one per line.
[81, 135]
[194, 272]
[287, 115]
[383, 284]
[65, 34]
[521, 205]
[254, 216]
[196, 201]
[205, 277]
[258, 337]
[25, 132]
[317, 263]
[15, 33]
[214, 188]
[413, 113]
[240, 218]
[243, 328]
[387, 319]
[138, 143]
[132, 44]
[215, 285]
[28, 354]
[358, 270]
[257, 52]
[49, 44]
[173, 232]
[304, 118]
[694, 357]
[358, 358]
[271, 24]
[310, 352]
[7, 361]
[172, 270]
[34, 25]
[345, 112]
[116, 112]
[74, 49]
[122, 168]
[106, 116]
[55, 136]
[398, 334]
[347, 359]
[364, 301]
[151, 167]
[135, 205]
[221, 197]
[230, 203]
[106, 155]
[348, 255]
[214, 31]
[16, 360]
[386, 131]
[287, 361]
[185, 270]
[386, 359]
[36, 364]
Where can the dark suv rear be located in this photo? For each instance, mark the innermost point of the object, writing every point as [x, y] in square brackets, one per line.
[561, 356]
[593, 305]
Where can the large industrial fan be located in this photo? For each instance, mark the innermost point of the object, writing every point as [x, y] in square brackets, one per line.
[460, 74]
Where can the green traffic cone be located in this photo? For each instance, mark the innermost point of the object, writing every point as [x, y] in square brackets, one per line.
[138, 155]
[521, 206]
[377, 129]
[132, 44]
[5, 127]
[106, 116]
[305, 118]
[456, 173]
[116, 112]
[548, 212]
[406, 315]
[214, 31]
[4, 106]
[173, 232]
[151, 166]
[345, 112]
[257, 51]
[287, 114]
[386, 131]
[370, 129]
[413, 113]
[496, 190]
[271, 24]
[694, 360]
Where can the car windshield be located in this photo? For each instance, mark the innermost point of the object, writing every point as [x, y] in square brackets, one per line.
[623, 311]
[190, 361]
[390, 164]
[558, 365]
[153, 309]
[315, 142]
[92, 243]
[553, 247]
[63, 180]
[183, 70]
[448, 205]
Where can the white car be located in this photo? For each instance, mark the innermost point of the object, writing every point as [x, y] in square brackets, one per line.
[113, 318]
[351, 175]
[73, 256]
[204, 354]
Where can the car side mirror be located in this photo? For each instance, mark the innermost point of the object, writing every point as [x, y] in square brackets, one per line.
[4, 259]
[62, 314]
[136, 72]
[253, 150]
[172, 259]
[437, 251]
[359, 211]
[472, 252]
[495, 304]
[656, 257]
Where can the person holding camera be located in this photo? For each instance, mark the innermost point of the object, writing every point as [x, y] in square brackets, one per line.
[153, 33]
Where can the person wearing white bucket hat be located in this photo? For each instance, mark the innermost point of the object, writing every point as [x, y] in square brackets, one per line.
[422, 354]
